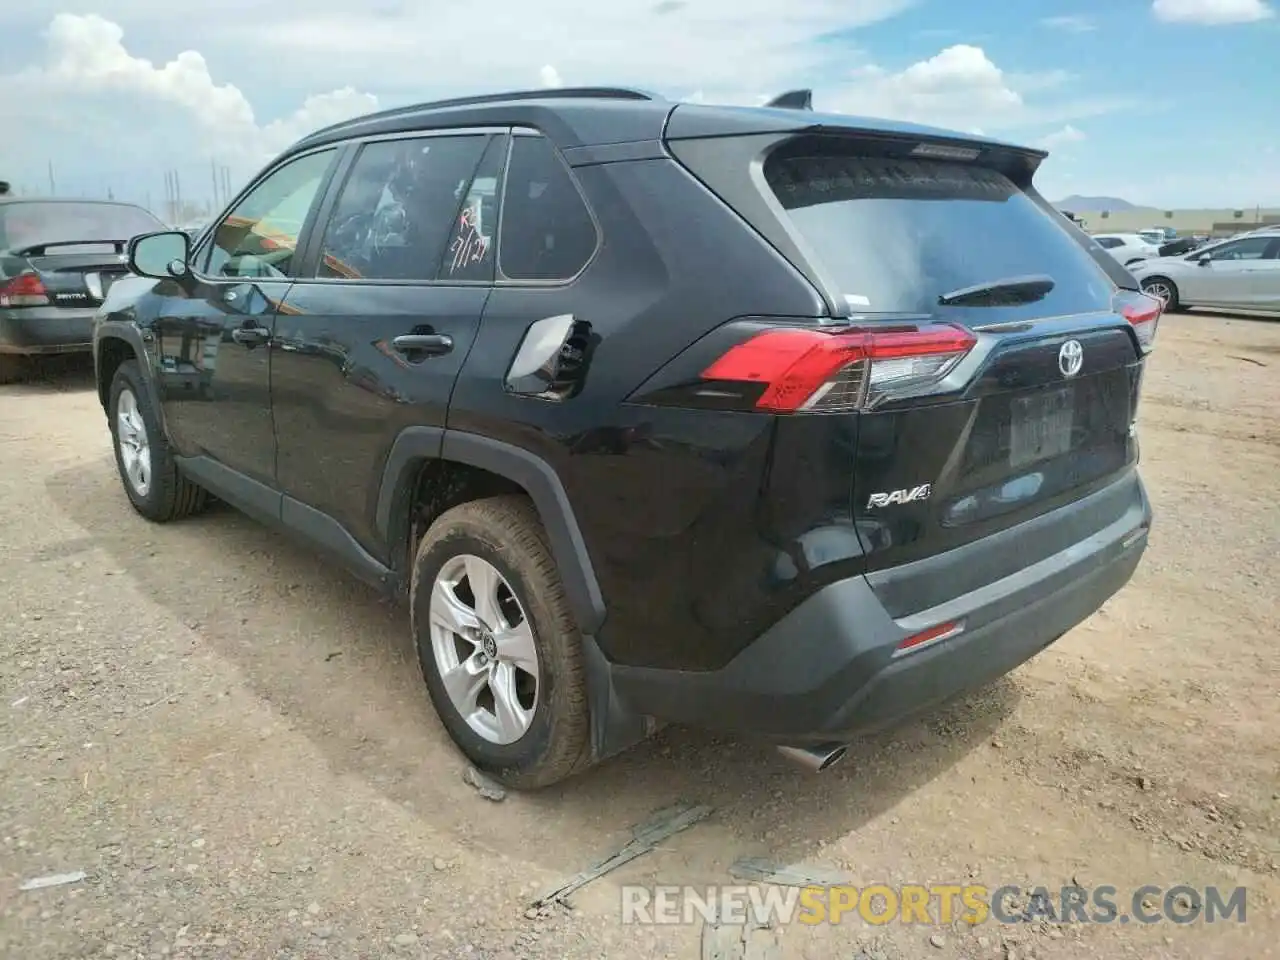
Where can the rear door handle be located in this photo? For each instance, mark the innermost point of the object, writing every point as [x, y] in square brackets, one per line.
[432, 344]
[251, 336]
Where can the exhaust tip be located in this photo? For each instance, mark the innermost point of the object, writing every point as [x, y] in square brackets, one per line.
[816, 758]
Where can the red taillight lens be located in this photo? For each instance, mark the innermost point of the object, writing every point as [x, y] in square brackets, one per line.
[828, 371]
[24, 290]
[1143, 313]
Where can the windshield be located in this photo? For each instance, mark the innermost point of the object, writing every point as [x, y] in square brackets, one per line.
[895, 235]
[26, 224]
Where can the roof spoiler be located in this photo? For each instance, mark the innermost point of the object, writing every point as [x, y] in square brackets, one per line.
[793, 100]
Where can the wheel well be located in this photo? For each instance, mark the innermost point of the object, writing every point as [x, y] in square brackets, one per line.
[443, 484]
[111, 353]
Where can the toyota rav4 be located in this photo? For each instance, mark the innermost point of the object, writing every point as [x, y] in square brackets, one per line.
[756, 419]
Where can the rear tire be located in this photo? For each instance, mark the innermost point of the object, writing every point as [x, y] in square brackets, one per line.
[1168, 292]
[152, 481]
[542, 696]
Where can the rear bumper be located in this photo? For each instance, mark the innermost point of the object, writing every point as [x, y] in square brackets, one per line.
[41, 330]
[828, 670]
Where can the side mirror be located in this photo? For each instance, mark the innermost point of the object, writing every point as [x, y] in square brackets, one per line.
[161, 256]
[1204, 259]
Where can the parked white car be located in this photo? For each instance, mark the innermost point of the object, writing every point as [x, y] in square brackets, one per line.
[1242, 273]
[1128, 248]
[1158, 235]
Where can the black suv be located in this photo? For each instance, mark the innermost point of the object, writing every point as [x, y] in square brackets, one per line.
[761, 420]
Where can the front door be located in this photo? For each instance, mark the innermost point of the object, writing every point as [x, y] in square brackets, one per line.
[1264, 279]
[212, 357]
[372, 339]
[1226, 280]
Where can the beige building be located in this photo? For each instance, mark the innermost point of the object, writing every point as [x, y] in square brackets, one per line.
[1219, 223]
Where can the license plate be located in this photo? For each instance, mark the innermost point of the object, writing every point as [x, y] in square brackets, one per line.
[1041, 427]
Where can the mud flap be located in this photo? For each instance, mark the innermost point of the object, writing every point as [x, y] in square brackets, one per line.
[614, 727]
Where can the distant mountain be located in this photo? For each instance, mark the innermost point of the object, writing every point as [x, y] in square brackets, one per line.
[1077, 204]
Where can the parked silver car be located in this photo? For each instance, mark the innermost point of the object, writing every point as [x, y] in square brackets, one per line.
[1238, 274]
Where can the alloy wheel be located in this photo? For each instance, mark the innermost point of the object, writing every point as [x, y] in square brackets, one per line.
[133, 443]
[1158, 289]
[484, 649]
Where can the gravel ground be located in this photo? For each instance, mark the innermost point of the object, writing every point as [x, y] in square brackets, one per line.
[231, 740]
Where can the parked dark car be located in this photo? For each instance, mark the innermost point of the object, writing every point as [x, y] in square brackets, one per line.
[57, 260]
[655, 412]
[1183, 245]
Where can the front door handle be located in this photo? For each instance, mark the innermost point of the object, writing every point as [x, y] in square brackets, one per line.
[432, 344]
[251, 336]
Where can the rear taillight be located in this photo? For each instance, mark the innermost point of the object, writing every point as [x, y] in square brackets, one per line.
[24, 290]
[829, 371]
[1143, 313]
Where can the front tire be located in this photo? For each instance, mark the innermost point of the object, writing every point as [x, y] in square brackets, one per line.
[499, 650]
[152, 481]
[1164, 290]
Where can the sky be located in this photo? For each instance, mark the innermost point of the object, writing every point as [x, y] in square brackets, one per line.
[1167, 103]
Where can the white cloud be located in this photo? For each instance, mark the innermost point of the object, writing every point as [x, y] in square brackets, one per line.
[86, 55]
[1060, 138]
[1070, 24]
[1212, 12]
[960, 87]
[109, 117]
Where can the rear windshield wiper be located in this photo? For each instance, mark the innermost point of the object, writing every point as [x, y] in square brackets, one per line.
[1008, 292]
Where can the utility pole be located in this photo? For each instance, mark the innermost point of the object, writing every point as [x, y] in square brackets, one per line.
[53, 186]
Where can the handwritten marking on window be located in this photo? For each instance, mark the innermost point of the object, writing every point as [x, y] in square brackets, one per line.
[469, 246]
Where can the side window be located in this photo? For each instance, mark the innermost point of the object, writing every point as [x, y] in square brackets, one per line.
[259, 238]
[1251, 248]
[547, 231]
[473, 244]
[1110, 243]
[398, 207]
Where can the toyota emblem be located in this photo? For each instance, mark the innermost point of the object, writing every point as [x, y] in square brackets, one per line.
[1071, 358]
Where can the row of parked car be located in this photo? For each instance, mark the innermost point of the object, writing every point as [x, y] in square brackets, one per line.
[1241, 272]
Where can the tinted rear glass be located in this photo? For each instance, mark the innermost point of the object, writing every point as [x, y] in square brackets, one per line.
[896, 234]
[26, 224]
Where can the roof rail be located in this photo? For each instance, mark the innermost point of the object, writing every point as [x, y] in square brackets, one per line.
[793, 100]
[548, 93]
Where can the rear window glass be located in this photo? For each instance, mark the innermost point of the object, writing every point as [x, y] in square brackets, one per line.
[895, 234]
[29, 223]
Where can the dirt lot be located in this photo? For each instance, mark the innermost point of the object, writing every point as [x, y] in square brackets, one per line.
[231, 740]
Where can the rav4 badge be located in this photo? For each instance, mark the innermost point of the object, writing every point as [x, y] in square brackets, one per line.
[906, 495]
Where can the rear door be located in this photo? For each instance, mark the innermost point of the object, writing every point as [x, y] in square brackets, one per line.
[371, 340]
[212, 357]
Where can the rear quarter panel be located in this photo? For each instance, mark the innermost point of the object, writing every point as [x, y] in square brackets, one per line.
[667, 500]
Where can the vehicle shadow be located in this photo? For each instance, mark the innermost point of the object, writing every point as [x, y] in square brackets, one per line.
[327, 652]
[55, 374]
